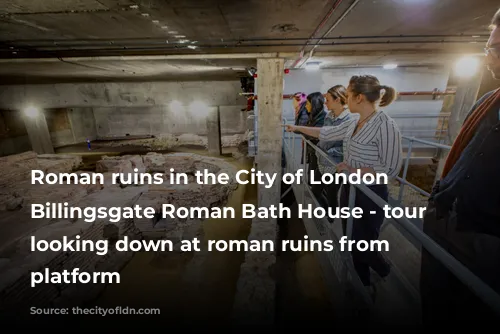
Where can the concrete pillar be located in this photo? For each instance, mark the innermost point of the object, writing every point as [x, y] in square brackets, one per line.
[466, 96]
[254, 302]
[214, 132]
[467, 90]
[38, 133]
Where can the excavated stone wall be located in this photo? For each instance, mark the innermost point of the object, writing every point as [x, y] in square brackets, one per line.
[169, 141]
[189, 195]
[17, 261]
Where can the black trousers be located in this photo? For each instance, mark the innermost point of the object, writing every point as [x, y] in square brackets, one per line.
[326, 194]
[367, 228]
[445, 299]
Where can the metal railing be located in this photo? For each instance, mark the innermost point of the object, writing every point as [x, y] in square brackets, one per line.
[403, 181]
[344, 271]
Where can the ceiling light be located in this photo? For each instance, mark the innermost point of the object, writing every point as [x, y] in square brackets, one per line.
[193, 42]
[475, 36]
[312, 66]
[173, 32]
[134, 6]
[155, 21]
[180, 36]
[466, 66]
[145, 14]
[164, 27]
[192, 47]
[183, 41]
[31, 112]
[390, 66]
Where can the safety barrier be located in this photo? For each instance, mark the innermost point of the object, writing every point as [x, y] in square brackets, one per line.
[340, 263]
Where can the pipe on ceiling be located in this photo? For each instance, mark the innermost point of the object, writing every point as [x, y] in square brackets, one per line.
[334, 25]
[153, 57]
[138, 41]
[417, 93]
[320, 25]
[252, 56]
[175, 47]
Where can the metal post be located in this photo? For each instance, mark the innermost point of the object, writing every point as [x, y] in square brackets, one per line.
[306, 180]
[405, 171]
[352, 202]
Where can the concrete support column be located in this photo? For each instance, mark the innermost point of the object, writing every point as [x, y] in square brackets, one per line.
[38, 132]
[254, 302]
[214, 132]
[467, 93]
[466, 96]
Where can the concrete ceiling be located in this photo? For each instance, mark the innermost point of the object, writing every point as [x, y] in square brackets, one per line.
[347, 33]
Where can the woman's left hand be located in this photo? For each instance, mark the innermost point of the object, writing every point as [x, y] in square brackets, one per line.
[343, 167]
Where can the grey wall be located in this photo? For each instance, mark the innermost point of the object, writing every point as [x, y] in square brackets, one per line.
[14, 145]
[13, 134]
[216, 93]
[133, 108]
[117, 121]
[403, 79]
[82, 126]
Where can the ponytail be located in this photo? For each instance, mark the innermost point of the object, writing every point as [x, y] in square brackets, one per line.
[370, 87]
[388, 97]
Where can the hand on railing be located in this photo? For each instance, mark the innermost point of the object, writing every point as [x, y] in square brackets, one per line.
[289, 128]
[343, 167]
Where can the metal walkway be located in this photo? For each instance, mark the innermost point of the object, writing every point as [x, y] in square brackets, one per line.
[397, 299]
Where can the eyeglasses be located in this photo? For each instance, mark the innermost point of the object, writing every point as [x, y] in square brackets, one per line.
[495, 52]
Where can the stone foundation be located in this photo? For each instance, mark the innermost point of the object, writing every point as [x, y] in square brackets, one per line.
[169, 141]
[16, 259]
[16, 293]
[16, 190]
[189, 195]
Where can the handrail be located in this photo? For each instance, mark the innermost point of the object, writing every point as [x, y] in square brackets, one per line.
[481, 289]
[444, 147]
[448, 114]
[414, 187]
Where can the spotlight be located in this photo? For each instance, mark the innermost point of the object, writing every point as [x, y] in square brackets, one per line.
[390, 66]
[31, 112]
[466, 67]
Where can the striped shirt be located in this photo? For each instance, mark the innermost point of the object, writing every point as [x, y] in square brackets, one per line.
[377, 144]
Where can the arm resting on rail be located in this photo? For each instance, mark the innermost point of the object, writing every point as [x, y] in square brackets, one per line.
[307, 130]
[326, 133]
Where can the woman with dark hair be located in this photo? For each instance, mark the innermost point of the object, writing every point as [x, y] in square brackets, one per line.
[316, 110]
[301, 115]
[299, 106]
[372, 144]
[336, 103]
